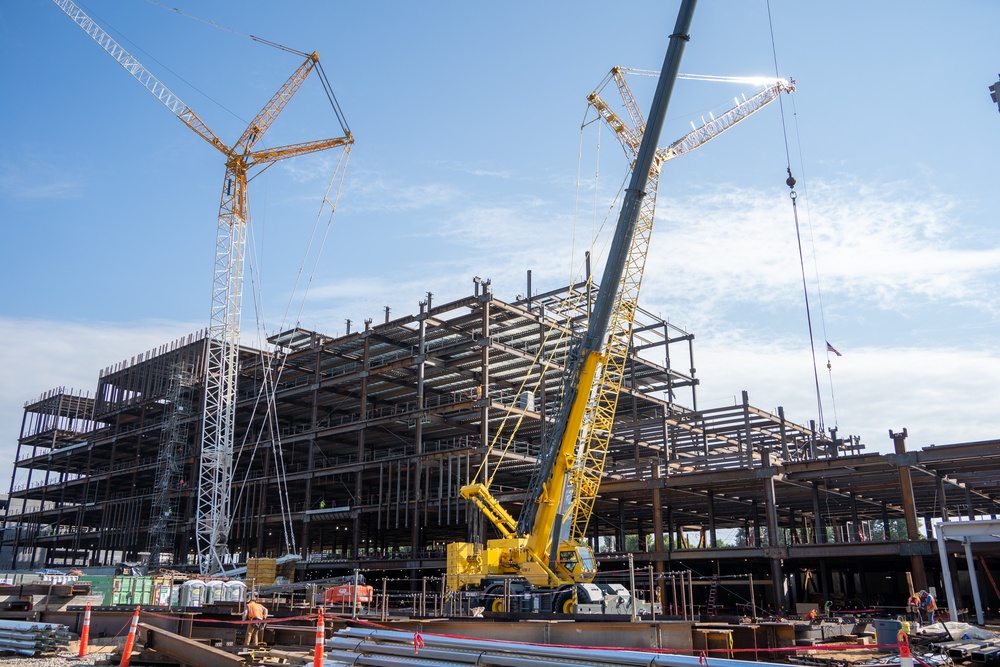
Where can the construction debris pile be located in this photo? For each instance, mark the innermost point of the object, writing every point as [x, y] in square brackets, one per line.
[959, 642]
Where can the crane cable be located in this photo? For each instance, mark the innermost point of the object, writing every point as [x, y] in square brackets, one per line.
[790, 182]
[220, 26]
[324, 81]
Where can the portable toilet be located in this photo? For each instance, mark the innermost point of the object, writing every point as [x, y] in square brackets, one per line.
[193, 593]
[234, 591]
[215, 591]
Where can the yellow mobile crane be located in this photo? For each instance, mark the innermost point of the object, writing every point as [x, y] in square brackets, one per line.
[544, 549]
[563, 490]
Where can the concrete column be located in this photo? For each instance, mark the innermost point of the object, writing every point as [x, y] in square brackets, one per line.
[621, 526]
[484, 393]
[670, 528]
[711, 520]
[359, 476]
[418, 434]
[942, 497]
[748, 435]
[756, 524]
[856, 533]
[946, 573]
[974, 581]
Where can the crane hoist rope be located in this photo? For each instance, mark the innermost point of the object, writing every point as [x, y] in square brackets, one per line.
[272, 374]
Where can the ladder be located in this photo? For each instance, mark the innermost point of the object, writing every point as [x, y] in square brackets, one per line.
[713, 592]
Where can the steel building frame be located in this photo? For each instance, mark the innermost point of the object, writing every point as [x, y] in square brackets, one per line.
[375, 431]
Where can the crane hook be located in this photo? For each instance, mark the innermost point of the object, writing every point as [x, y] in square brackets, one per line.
[790, 182]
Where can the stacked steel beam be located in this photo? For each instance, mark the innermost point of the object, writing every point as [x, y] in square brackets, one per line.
[26, 638]
[358, 646]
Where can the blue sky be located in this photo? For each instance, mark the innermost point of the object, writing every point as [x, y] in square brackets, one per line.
[467, 118]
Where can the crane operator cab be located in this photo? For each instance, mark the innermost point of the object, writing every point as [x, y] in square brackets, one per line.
[577, 562]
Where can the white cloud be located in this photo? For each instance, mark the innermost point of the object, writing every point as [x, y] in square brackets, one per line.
[883, 248]
[370, 192]
[940, 396]
[40, 355]
[715, 255]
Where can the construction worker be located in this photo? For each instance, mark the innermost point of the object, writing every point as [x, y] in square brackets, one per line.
[913, 608]
[928, 605]
[256, 613]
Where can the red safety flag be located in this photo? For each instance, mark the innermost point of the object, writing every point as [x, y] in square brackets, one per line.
[418, 642]
[831, 348]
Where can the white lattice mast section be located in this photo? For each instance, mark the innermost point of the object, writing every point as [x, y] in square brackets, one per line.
[221, 367]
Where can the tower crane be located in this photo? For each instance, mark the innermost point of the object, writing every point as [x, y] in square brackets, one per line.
[546, 549]
[221, 360]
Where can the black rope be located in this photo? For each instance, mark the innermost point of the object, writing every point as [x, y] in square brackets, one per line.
[805, 291]
[790, 182]
[220, 26]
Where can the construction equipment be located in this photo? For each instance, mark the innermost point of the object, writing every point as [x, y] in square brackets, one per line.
[562, 492]
[543, 551]
[349, 594]
[630, 136]
[216, 454]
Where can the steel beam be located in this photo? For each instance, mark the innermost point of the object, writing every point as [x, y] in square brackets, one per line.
[909, 510]
[186, 651]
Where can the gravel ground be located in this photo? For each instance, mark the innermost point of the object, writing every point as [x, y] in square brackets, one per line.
[58, 660]
[65, 658]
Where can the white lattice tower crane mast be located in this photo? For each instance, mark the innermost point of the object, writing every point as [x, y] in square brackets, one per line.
[222, 359]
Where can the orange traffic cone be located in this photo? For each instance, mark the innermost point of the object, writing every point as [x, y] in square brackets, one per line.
[130, 641]
[320, 637]
[84, 633]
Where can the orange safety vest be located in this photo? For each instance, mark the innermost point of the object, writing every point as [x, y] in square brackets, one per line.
[256, 611]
